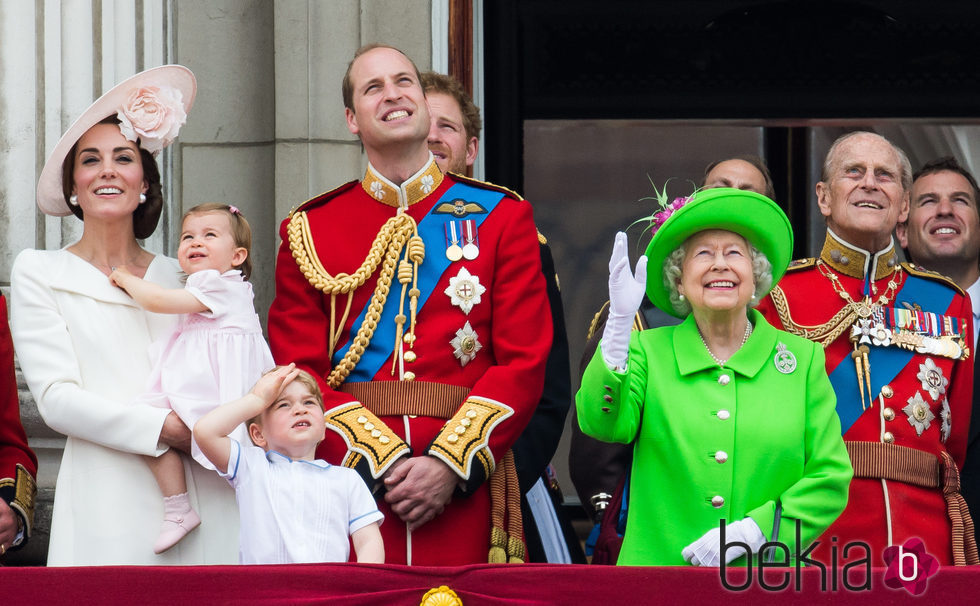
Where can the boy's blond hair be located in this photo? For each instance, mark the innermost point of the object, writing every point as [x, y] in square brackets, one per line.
[308, 382]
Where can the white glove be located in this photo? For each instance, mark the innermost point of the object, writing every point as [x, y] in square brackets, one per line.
[706, 550]
[626, 291]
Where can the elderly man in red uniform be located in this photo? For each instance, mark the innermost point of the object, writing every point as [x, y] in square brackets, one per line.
[899, 353]
[418, 299]
[18, 465]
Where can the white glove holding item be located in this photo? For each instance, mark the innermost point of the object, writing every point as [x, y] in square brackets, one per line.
[706, 551]
[626, 291]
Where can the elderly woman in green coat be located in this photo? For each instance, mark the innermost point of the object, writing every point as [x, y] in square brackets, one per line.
[732, 420]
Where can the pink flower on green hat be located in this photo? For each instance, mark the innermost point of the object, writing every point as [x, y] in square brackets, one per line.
[660, 217]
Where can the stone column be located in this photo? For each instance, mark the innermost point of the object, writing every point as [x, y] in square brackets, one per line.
[55, 59]
[228, 145]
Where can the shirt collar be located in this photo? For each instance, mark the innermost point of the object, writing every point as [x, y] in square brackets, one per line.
[974, 291]
[855, 262]
[414, 189]
[277, 458]
[692, 356]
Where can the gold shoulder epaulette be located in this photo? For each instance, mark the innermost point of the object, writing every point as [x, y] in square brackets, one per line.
[323, 198]
[541, 239]
[486, 185]
[922, 272]
[595, 321]
[798, 264]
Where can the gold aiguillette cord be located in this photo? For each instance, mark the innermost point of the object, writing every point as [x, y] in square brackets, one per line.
[862, 366]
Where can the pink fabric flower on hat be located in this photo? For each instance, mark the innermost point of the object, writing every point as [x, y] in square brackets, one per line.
[660, 217]
[153, 115]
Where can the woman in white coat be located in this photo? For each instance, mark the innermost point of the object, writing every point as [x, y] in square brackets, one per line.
[83, 344]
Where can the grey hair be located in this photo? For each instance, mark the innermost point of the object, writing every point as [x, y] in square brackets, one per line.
[761, 275]
[830, 160]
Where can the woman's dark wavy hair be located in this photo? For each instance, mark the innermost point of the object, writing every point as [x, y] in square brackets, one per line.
[147, 215]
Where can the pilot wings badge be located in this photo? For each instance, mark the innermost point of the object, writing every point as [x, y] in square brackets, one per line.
[459, 208]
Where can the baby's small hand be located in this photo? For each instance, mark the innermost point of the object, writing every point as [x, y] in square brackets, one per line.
[118, 276]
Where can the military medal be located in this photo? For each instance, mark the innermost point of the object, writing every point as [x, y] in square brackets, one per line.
[946, 426]
[471, 249]
[932, 379]
[465, 290]
[454, 251]
[920, 417]
[784, 359]
[465, 344]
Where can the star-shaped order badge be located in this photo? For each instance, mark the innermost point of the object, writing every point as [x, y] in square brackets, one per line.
[465, 344]
[920, 417]
[465, 290]
[947, 425]
[932, 379]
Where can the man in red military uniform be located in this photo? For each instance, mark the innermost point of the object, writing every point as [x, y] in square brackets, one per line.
[18, 465]
[418, 299]
[899, 353]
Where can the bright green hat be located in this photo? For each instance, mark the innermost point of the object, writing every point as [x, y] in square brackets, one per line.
[753, 216]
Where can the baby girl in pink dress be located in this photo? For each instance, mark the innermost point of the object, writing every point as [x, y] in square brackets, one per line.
[216, 353]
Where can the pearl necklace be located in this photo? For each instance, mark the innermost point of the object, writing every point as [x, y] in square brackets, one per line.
[745, 337]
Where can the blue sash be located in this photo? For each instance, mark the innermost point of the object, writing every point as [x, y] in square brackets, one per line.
[432, 231]
[886, 362]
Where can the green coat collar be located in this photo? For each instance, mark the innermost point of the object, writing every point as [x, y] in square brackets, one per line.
[692, 356]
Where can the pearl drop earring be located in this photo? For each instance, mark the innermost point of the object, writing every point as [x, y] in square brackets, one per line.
[73, 200]
[681, 297]
[142, 198]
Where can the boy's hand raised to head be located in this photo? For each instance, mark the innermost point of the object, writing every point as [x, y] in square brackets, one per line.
[271, 384]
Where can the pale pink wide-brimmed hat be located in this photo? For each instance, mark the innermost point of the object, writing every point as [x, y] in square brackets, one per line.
[151, 106]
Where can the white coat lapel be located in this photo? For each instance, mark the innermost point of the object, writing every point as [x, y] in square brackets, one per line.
[71, 274]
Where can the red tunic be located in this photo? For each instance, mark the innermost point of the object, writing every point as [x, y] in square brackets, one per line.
[903, 411]
[18, 465]
[489, 398]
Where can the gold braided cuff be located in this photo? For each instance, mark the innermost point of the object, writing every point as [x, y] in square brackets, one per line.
[466, 435]
[24, 490]
[367, 437]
